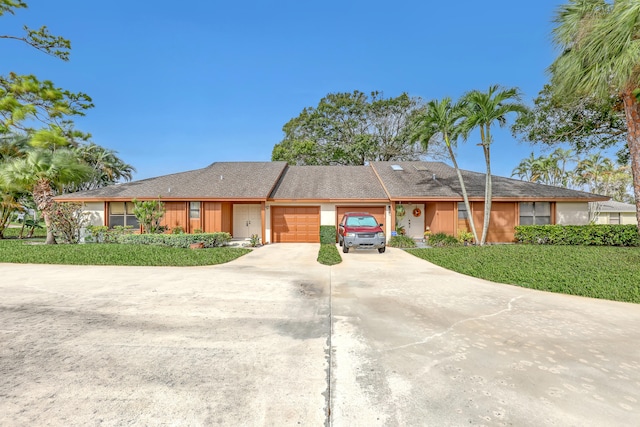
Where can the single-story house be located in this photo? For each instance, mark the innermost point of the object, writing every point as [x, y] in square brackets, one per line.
[283, 203]
[612, 212]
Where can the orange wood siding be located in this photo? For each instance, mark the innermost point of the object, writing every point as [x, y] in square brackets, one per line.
[295, 224]
[176, 214]
[504, 217]
[441, 217]
[216, 217]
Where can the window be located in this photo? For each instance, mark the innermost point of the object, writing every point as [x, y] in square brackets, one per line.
[121, 213]
[194, 210]
[535, 213]
[462, 211]
[614, 218]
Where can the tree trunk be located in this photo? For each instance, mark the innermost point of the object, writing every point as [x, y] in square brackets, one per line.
[43, 196]
[632, 111]
[465, 197]
[487, 195]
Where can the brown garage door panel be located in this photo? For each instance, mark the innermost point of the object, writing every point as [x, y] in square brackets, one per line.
[296, 224]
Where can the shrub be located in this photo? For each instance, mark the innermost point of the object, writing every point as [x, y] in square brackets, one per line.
[149, 213]
[401, 242]
[583, 235]
[465, 236]
[67, 219]
[443, 239]
[104, 234]
[210, 240]
[327, 234]
[329, 254]
[177, 230]
[254, 241]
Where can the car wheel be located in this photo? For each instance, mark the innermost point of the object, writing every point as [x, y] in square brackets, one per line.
[382, 249]
[345, 249]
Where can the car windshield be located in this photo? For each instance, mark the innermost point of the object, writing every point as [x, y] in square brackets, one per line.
[362, 221]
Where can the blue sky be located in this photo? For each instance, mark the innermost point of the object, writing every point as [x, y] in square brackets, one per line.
[177, 86]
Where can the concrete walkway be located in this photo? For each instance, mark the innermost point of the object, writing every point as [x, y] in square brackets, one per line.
[274, 338]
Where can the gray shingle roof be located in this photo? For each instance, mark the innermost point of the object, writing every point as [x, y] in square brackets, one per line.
[277, 181]
[329, 182]
[613, 206]
[224, 180]
[438, 180]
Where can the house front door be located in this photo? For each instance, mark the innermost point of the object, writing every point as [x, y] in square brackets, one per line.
[247, 220]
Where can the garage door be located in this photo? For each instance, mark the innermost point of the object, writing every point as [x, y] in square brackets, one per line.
[377, 211]
[295, 224]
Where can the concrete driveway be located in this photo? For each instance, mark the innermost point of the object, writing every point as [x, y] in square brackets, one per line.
[274, 338]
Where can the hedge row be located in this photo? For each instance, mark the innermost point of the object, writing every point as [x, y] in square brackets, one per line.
[327, 234]
[210, 240]
[582, 235]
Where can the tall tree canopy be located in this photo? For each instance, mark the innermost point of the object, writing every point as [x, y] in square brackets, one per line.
[351, 129]
[600, 59]
[585, 123]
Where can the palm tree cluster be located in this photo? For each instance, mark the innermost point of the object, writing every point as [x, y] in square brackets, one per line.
[33, 173]
[445, 121]
[593, 173]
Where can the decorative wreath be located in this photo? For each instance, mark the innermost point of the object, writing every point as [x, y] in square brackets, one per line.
[417, 212]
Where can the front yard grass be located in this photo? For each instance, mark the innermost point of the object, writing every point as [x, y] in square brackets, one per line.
[26, 252]
[611, 273]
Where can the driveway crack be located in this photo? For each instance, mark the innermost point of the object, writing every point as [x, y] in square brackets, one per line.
[450, 328]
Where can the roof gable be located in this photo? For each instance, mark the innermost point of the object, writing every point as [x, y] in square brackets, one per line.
[329, 183]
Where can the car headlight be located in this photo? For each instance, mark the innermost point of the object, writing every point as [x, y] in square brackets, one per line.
[381, 235]
[351, 234]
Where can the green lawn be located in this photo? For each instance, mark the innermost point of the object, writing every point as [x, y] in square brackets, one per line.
[599, 272]
[21, 251]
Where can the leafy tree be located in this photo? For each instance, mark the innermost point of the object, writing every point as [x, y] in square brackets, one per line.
[149, 213]
[442, 121]
[351, 129]
[43, 173]
[482, 110]
[600, 60]
[26, 101]
[585, 123]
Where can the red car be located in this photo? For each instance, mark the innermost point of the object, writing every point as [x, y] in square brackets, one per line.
[360, 230]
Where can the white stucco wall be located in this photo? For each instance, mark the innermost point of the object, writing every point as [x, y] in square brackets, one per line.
[95, 211]
[576, 213]
[96, 216]
[625, 218]
[628, 218]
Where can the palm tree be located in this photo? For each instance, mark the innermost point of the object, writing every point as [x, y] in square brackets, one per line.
[526, 169]
[601, 58]
[442, 120]
[107, 167]
[562, 158]
[481, 111]
[590, 171]
[43, 173]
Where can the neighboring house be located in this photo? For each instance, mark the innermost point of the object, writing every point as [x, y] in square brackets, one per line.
[612, 212]
[282, 203]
